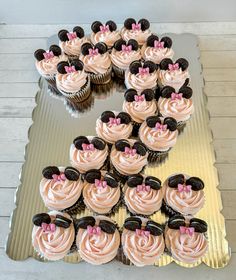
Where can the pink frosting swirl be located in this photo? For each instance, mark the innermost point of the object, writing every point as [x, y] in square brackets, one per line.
[140, 110]
[156, 54]
[53, 245]
[140, 82]
[73, 47]
[108, 37]
[139, 35]
[186, 248]
[157, 140]
[97, 64]
[85, 160]
[59, 195]
[127, 164]
[179, 109]
[98, 248]
[186, 203]
[71, 82]
[174, 78]
[123, 59]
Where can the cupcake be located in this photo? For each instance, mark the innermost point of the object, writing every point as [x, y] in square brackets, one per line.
[97, 62]
[141, 75]
[106, 33]
[123, 54]
[53, 235]
[178, 105]
[143, 194]
[139, 106]
[72, 81]
[112, 126]
[142, 241]
[156, 50]
[101, 191]
[139, 31]
[97, 240]
[88, 153]
[128, 157]
[173, 74]
[183, 194]
[71, 42]
[61, 188]
[159, 135]
[46, 61]
[186, 241]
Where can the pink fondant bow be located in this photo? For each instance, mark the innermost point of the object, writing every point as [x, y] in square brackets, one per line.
[125, 48]
[186, 230]
[114, 121]
[142, 232]
[93, 52]
[104, 28]
[93, 230]
[60, 177]
[158, 44]
[143, 71]
[130, 151]
[48, 227]
[100, 183]
[48, 55]
[162, 127]
[88, 147]
[70, 69]
[175, 96]
[184, 188]
[143, 188]
[136, 26]
[71, 35]
[139, 98]
[173, 67]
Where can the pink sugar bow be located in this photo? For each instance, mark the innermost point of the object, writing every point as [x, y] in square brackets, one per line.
[158, 45]
[136, 26]
[139, 98]
[141, 232]
[143, 71]
[187, 230]
[143, 188]
[70, 69]
[175, 96]
[100, 183]
[173, 67]
[60, 177]
[72, 35]
[48, 227]
[93, 52]
[114, 121]
[184, 188]
[125, 48]
[93, 230]
[48, 55]
[162, 127]
[130, 151]
[104, 28]
[88, 147]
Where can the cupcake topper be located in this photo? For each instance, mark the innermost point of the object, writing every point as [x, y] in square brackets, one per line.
[122, 45]
[137, 181]
[97, 142]
[168, 64]
[110, 118]
[97, 26]
[185, 185]
[132, 95]
[65, 67]
[65, 35]
[93, 50]
[130, 24]
[88, 223]
[53, 173]
[44, 221]
[123, 145]
[145, 68]
[154, 42]
[156, 123]
[169, 92]
[158, 44]
[94, 176]
[178, 222]
[41, 54]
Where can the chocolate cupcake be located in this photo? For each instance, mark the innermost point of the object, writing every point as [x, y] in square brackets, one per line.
[185, 239]
[136, 30]
[141, 75]
[88, 152]
[156, 50]
[159, 135]
[173, 74]
[183, 194]
[143, 194]
[53, 235]
[97, 62]
[142, 241]
[97, 240]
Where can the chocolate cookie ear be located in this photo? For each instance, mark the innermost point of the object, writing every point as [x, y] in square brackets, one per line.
[124, 117]
[128, 23]
[38, 219]
[176, 221]
[166, 91]
[107, 226]
[38, 54]
[96, 26]
[174, 180]
[198, 224]
[196, 183]
[71, 173]
[112, 25]
[145, 24]
[167, 42]
[186, 91]
[140, 148]
[92, 175]
[84, 222]
[111, 180]
[118, 44]
[121, 144]
[171, 123]
[149, 94]
[98, 143]
[106, 115]
[133, 43]
[183, 63]
[151, 39]
[85, 48]
[62, 221]
[49, 171]
[134, 67]
[133, 223]
[62, 35]
[61, 67]
[153, 182]
[79, 31]
[55, 49]
[164, 63]
[78, 141]
[152, 120]
[151, 65]
[79, 65]
[154, 228]
[102, 47]
[129, 94]
[134, 180]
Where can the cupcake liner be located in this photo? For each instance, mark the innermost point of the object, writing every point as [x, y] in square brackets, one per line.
[136, 127]
[157, 156]
[102, 91]
[120, 73]
[121, 257]
[101, 78]
[181, 126]
[76, 208]
[71, 57]
[50, 78]
[168, 210]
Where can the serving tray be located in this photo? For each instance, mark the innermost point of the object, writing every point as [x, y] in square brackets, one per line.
[56, 123]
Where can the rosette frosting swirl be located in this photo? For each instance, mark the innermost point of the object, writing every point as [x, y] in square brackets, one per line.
[174, 78]
[123, 59]
[156, 54]
[139, 81]
[138, 35]
[73, 47]
[108, 37]
[97, 64]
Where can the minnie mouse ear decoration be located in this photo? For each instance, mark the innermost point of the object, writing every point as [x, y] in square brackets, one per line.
[62, 35]
[96, 26]
[176, 221]
[186, 91]
[61, 67]
[38, 54]
[118, 44]
[167, 42]
[183, 63]
[55, 49]
[85, 48]
[151, 40]
[134, 44]
[145, 24]
[102, 47]
[166, 91]
[134, 67]
[112, 25]
[78, 64]
[128, 23]
[79, 31]
[130, 95]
